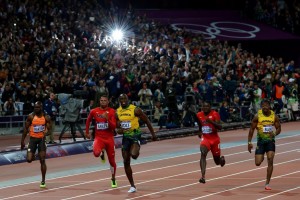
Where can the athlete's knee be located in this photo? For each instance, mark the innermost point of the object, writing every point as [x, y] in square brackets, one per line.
[126, 162]
[203, 149]
[270, 161]
[135, 155]
[258, 162]
[29, 160]
[42, 160]
[96, 154]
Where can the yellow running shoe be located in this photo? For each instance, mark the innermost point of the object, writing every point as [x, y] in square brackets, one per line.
[114, 183]
[43, 184]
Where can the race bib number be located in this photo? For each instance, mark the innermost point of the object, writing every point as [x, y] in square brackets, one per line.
[126, 125]
[38, 128]
[267, 129]
[102, 126]
[206, 130]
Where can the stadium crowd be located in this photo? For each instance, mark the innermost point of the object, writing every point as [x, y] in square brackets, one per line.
[64, 46]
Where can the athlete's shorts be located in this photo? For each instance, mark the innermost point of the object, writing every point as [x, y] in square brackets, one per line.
[127, 142]
[36, 143]
[101, 143]
[212, 144]
[264, 147]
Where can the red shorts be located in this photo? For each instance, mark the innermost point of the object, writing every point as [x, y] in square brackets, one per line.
[212, 144]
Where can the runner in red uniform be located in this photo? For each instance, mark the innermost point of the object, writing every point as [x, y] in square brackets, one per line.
[105, 124]
[209, 124]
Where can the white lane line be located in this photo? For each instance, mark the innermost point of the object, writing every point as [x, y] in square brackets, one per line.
[86, 182]
[167, 177]
[183, 186]
[144, 162]
[95, 171]
[140, 172]
[296, 188]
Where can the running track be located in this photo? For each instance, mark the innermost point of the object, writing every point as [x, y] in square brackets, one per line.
[167, 169]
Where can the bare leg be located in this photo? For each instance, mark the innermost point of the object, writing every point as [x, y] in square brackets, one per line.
[127, 167]
[42, 156]
[270, 157]
[204, 152]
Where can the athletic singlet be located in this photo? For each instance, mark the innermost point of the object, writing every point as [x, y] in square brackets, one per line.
[265, 125]
[128, 120]
[103, 127]
[37, 127]
[208, 128]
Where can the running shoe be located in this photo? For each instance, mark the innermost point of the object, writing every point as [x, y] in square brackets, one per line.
[222, 161]
[43, 184]
[114, 183]
[267, 187]
[132, 190]
[102, 157]
[202, 180]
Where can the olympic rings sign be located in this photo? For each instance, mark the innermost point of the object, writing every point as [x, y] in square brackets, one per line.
[228, 29]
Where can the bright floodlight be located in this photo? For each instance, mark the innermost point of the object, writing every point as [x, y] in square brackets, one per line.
[117, 35]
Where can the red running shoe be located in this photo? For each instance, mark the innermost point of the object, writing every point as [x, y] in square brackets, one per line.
[267, 187]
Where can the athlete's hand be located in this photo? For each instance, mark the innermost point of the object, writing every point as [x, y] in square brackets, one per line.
[271, 134]
[250, 147]
[105, 115]
[22, 145]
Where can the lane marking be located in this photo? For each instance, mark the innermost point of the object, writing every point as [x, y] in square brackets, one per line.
[276, 177]
[28, 180]
[296, 188]
[158, 179]
[183, 186]
[146, 171]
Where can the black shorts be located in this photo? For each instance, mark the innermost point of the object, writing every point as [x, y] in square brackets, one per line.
[264, 147]
[127, 142]
[36, 143]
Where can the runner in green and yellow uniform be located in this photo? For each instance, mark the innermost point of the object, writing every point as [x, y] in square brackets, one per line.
[128, 116]
[264, 121]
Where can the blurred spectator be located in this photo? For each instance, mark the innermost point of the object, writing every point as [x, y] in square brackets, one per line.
[10, 107]
[145, 95]
[224, 112]
[159, 115]
[278, 93]
[51, 108]
[293, 101]
[257, 97]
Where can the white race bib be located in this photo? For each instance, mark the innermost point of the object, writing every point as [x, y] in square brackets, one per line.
[126, 124]
[38, 128]
[102, 125]
[206, 130]
[267, 129]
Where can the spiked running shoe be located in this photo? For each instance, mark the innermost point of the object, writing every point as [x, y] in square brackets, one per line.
[132, 190]
[222, 161]
[267, 187]
[202, 180]
[102, 157]
[43, 184]
[114, 183]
